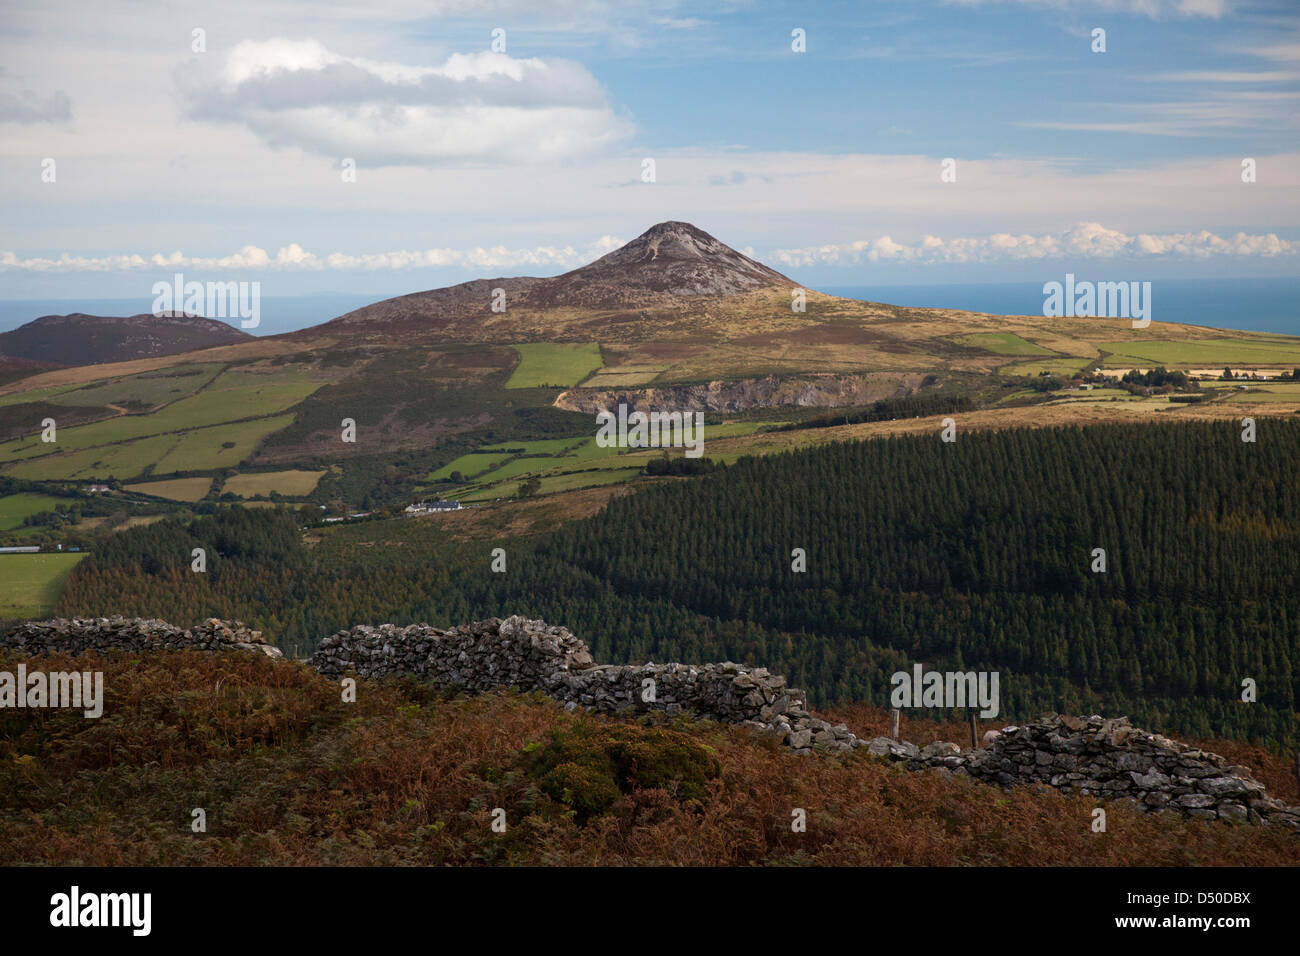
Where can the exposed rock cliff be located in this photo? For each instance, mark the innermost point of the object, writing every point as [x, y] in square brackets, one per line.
[806, 391]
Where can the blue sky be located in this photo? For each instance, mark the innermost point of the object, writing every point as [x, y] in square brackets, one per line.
[954, 80]
[228, 162]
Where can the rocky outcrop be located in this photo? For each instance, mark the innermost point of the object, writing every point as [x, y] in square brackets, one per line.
[135, 634]
[804, 391]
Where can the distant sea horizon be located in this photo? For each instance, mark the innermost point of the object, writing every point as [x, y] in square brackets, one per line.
[1257, 305]
[1250, 305]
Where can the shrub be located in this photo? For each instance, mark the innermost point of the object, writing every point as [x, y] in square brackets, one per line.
[588, 766]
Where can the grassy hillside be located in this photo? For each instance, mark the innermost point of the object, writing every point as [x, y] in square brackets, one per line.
[287, 774]
[550, 365]
[175, 489]
[31, 583]
[292, 483]
[15, 509]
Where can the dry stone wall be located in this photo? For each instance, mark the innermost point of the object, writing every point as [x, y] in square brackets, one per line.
[1105, 758]
[532, 655]
[137, 634]
[1111, 759]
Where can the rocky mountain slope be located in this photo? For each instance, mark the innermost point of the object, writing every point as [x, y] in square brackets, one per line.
[670, 258]
[666, 267]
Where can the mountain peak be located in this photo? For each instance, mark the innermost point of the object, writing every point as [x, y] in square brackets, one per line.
[673, 242]
[673, 258]
[673, 229]
[670, 262]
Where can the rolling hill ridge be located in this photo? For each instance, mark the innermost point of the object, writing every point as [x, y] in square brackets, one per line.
[80, 339]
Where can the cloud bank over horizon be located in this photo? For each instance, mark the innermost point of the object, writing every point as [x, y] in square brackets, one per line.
[1087, 240]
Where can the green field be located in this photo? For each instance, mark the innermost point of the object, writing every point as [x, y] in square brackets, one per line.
[113, 461]
[203, 450]
[586, 479]
[582, 455]
[568, 481]
[198, 450]
[30, 583]
[549, 365]
[525, 466]
[1002, 343]
[175, 489]
[589, 451]
[147, 388]
[294, 483]
[470, 466]
[35, 395]
[544, 446]
[562, 463]
[1065, 367]
[14, 508]
[232, 395]
[1266, 392]
[1207, 353]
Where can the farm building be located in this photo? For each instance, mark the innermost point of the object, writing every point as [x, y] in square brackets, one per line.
[428, 507]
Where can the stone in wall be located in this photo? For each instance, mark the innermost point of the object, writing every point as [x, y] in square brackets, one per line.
[81, 634]
[1110, 759]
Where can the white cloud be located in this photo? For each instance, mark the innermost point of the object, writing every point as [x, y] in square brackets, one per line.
[1226, 110]
[27, 107]
[1155, 9]
[1228, 76]
[294, 257]
[682, 23]
[1287, 52]
[1087, 240]
[479, 107]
